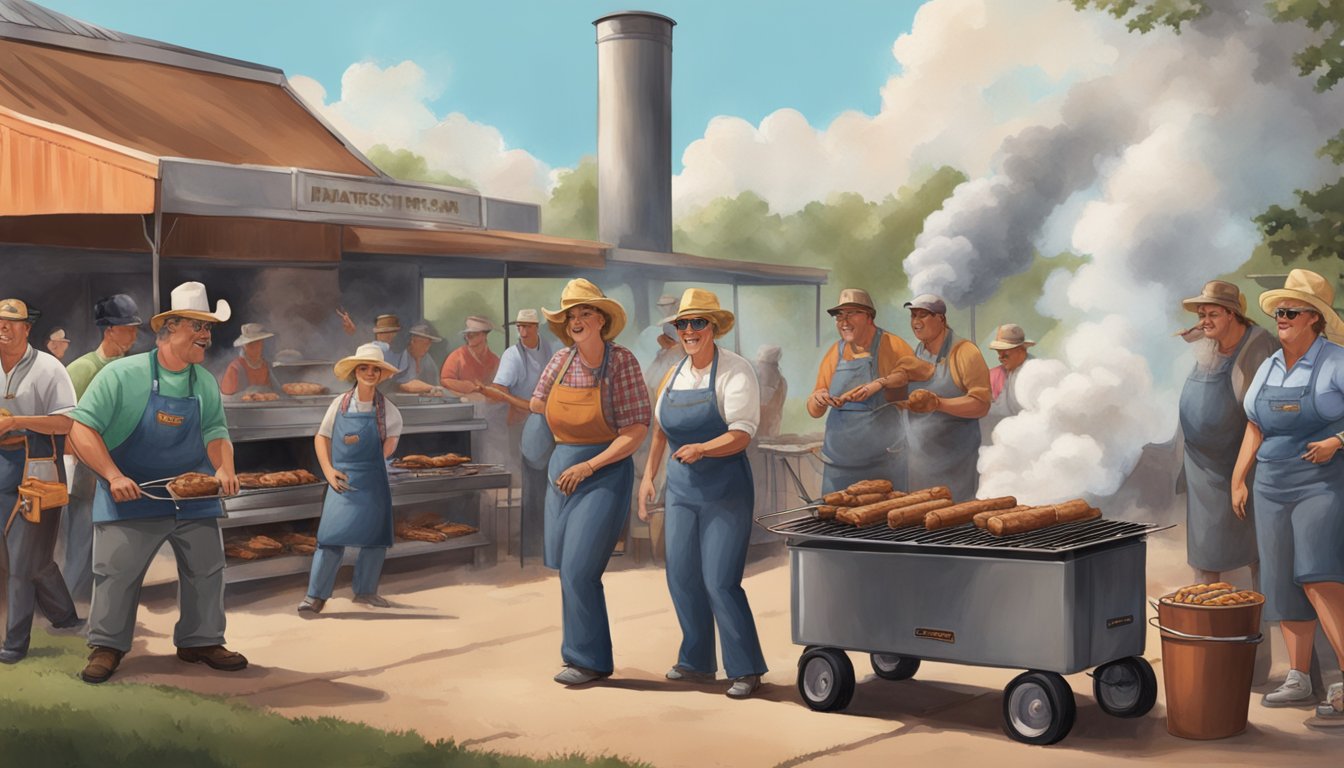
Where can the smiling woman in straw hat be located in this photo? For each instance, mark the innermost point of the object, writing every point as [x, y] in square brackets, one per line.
[360, 430]
[597, 408]
[707, 410]
[1295, 407]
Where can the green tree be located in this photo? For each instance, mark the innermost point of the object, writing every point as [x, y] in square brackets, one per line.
[571, 210]
[408, 166]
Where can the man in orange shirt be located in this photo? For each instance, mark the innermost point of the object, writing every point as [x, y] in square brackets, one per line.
[472, 366]
[945, 428]
[859, 376]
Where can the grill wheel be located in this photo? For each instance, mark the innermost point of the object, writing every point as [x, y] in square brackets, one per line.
[1125, 687]
[1038, 708]
[890, 666]
[825, 679]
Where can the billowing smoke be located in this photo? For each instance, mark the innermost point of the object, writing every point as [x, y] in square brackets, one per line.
[1155, 173]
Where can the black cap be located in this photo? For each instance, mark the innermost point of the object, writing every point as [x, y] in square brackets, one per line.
[117, 309]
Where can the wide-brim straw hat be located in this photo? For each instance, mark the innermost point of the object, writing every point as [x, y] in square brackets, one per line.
[697, 302]
[1220, 293]
[1010, 336]
[581, 291]
[367, 354]
[1308, 287]
[189, 300]
[252, 332]
[854, 298]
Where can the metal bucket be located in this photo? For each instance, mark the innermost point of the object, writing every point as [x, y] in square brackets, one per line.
[1208, 659]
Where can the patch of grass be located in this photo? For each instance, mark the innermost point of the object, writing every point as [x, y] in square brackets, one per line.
[50, 718]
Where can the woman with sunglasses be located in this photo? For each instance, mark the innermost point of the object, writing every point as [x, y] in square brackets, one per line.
[597, 407]
[1295, 408]
[708, 408]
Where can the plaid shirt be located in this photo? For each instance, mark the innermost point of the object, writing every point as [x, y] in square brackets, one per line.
[625, 399]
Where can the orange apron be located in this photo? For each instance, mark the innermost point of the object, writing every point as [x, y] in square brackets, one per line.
[574, 414]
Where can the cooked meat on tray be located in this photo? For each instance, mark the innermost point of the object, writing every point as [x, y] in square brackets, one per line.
[1036, 518]
[421, 461]
[260, 397]
[255, 480]
[193, 485]
[303, 389]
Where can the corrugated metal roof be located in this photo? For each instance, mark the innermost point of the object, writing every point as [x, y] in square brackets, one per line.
[33, 15]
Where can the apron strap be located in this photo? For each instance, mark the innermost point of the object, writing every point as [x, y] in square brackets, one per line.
[379, 409]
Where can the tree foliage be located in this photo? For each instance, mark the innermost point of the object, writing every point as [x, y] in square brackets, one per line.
[406, 165]
[571, 210]
[1325, 17]
[1167, 13]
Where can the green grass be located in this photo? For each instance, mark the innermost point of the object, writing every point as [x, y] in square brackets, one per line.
[50, 718]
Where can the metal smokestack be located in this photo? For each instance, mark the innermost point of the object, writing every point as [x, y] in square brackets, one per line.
[634, 130]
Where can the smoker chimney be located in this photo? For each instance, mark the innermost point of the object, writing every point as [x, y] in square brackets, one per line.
[634, 130]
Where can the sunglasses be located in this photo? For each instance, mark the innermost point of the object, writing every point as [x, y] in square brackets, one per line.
[694, 323]
[1291, 314]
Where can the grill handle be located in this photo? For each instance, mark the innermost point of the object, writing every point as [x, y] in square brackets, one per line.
[1251, 639]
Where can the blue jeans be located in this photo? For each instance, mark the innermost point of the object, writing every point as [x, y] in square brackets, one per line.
[327, 560]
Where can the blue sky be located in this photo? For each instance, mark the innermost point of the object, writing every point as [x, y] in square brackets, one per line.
[528, 67]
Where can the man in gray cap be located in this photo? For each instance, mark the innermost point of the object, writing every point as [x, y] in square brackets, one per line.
[118, 319]
[863, 372]
[519, 369]
[421, 376]
[945, 413]
[1011, 344]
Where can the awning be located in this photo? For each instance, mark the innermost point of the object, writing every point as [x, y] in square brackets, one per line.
[685, 267]
[507, 247]
[170, 111]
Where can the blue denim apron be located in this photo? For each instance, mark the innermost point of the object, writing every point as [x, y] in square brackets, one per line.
[581, 531]
[708, 527]
[1213, 422]
[945, 447]
[861, 442]
[1297, 503]
[167, 442]
[362, 516]
[34, 579]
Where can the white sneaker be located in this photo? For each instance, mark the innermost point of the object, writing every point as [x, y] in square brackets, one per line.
[1333, 706]
[1295, 692]
[744, 686]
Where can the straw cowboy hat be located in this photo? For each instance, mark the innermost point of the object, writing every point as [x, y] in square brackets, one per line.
[1309, 287]
[386, 324]
[367, 354]
[697, 302]
[425, 330]
[1010, 336]
[855, 298]
[477, 324]
[1220, 293]
[189, 300]
[581, 291]
[526, 316]
[17, 309]
[252, 332]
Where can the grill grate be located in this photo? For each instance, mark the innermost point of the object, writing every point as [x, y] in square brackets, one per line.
[1058, 538]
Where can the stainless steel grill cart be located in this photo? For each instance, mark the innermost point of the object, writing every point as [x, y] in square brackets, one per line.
[1053, 602]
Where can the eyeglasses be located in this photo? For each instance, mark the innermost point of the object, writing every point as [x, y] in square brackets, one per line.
[1291, 313]
[197, 325]
[694, 323]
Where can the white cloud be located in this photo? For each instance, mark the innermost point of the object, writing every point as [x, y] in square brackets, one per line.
[391, 106]
[969, 79]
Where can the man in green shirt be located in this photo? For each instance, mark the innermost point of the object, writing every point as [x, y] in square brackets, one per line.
[143, 418]
[119, 318]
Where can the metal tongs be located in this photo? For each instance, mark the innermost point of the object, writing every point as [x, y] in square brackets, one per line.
[163, 483]
[809, 504]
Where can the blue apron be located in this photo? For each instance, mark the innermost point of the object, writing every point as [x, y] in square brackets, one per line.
[692, 416]
[167, 442]
[861, 442]
[946, 447]
[361, 517]
[1213, 421]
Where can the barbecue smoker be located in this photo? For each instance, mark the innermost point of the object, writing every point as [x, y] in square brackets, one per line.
[1054, 602]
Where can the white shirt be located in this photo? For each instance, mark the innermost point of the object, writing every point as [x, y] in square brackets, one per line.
[392, 415]
[46, 390]
[738, 395]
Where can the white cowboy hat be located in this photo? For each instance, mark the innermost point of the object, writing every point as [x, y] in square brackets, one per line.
[1309, 287]
[367, 354]
[526, 316]
[59, 335]
[189, 300]
[477, 324]
[252, 332]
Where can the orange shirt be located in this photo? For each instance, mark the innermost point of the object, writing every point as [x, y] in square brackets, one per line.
[461, 364]
[891, 350]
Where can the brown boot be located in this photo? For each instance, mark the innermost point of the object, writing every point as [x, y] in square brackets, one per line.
[102, 663]
[215, 657]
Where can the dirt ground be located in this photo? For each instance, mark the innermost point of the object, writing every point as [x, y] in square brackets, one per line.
[468, 654]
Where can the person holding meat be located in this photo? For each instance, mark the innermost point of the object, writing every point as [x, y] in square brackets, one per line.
[862, 374]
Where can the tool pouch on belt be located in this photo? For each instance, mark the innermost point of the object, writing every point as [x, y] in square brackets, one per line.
[35, 494]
